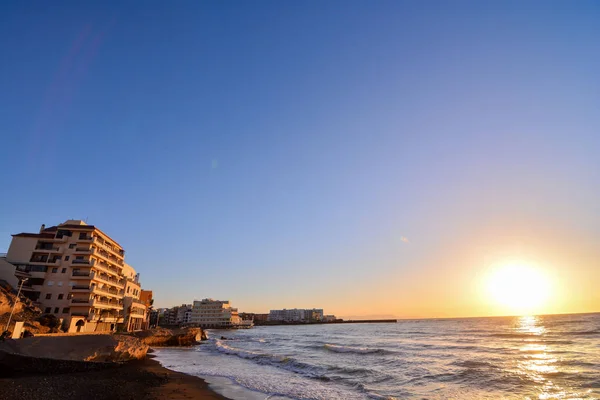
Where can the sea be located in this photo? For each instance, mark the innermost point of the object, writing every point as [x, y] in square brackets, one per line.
[533, 357]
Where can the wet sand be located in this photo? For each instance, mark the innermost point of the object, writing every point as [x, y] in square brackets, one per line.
[144, 379]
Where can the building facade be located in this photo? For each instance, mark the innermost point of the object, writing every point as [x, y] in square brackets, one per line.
[296, 315]
[76, 272]
[209, 313]
[134, 308]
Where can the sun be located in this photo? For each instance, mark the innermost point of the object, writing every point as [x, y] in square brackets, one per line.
[519, 288]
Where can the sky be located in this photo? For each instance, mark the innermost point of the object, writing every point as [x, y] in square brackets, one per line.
[367, 158]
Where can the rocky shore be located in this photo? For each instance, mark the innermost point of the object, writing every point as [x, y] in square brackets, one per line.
[97, 367]
[134, 380]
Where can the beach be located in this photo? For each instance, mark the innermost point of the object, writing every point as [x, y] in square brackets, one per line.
[143, 379]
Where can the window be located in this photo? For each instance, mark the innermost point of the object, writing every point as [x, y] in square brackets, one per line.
[79, 258]
[72, 246]
[66, 310]
[55, 310]
[47, 310]
[50, 283]
[54, 270]
[60, 296]
[63, 271]
[69, 296]
[83, 235]
[59, 283]
[67, 258]
[48, 296]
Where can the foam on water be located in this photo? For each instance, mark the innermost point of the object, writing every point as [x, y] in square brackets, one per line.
[483, 358]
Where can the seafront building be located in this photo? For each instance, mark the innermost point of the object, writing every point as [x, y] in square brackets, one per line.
[78, 273]
[296, 315]
[209, 313]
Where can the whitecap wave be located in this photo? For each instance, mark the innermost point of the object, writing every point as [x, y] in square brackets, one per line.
[349, 349]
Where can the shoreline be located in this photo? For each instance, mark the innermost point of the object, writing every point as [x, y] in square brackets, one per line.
[140, 379]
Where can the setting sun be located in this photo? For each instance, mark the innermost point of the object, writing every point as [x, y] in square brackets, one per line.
[519, 288]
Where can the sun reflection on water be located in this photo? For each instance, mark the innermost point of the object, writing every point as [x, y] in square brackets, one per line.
[537, 362]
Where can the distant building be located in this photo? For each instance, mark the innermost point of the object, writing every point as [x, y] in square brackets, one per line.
[184, 315]
[329, 318]
[209, 313]
[261, 317]
[296, 315]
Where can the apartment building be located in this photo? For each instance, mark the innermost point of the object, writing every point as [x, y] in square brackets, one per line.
[134, 308]
[296, 315]
[76, 272]
[209, 313]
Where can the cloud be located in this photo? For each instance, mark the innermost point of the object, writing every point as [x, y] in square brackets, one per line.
[404, 239]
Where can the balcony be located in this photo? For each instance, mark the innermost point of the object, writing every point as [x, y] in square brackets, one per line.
[108, 260]
[110, 292]
[107, 304]
[109, 280]
[80, 302]
[138, 301]
[82, 250]
[47, 248]
[117, 252]
[80, 288]
[80, 261]
[85, 239]
[82, 275]
[108, 269]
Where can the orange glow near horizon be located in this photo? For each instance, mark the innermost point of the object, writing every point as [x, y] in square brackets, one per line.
[517, 288]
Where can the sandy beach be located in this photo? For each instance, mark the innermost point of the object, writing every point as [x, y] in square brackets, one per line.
[144, 379]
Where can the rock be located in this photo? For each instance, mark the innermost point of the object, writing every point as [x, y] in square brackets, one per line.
[25, 311]
[171, 337]
[68, 353]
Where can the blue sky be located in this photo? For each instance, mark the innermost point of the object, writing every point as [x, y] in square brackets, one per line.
[277, 153]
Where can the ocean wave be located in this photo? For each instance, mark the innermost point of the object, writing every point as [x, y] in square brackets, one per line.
[514, 335]
[472, 364]
[349, 349]
[583, 333]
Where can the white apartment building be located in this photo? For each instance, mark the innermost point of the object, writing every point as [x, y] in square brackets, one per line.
[296, 315]
[209, 313]
[78, 273]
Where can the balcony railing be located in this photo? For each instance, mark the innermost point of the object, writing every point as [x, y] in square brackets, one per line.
[118, 252]
[86, 274]
[46, 248]
[111, 292]
[79, 261]
[80, 287]
[113, 304]
[109, 279]
[80, 301]
[85, 239]
[83, 250]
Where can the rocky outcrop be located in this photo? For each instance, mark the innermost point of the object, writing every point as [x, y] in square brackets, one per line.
[68, 353]
[34, 321]
[171, 337]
